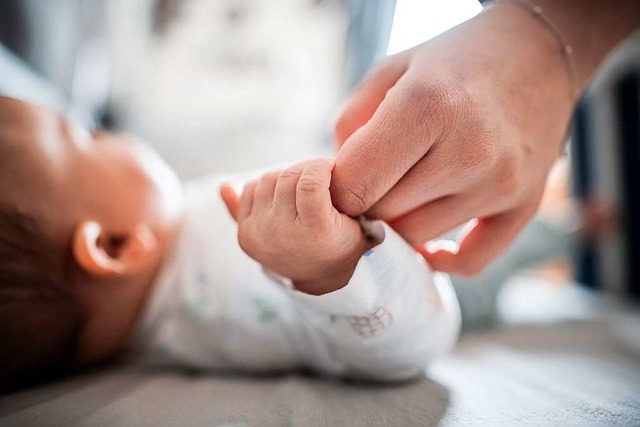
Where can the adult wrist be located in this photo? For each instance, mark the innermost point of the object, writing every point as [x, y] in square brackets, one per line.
[539, 47]
[565, 50]
[592, 27]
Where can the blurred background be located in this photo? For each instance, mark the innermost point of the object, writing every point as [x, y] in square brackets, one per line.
[551, 329]
[217, 85]
[222, 86]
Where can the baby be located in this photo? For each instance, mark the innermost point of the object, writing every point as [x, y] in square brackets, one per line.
[102, 250]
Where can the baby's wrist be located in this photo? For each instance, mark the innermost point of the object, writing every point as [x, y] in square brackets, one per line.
[324, 285]
[333, 277]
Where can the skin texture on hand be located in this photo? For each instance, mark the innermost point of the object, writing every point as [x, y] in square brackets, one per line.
[287, 223]
[463, 127]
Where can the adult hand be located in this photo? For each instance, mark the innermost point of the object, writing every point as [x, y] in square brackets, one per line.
[466, 126]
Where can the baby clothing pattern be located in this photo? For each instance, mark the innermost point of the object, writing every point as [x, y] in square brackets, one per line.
[215, 308]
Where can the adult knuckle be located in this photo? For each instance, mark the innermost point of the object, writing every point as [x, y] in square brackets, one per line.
[468, 113]
[423, 92]
[426, 100]
[479, 152]
[439, 104]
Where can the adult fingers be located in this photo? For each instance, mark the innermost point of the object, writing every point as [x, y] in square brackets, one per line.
[231, 199]
[434, 177]
[365, 100]
[265, 189]
[313, 200]
[480, 244]
[284, 199]
[246, 200]
[434, 219]
[376, 157]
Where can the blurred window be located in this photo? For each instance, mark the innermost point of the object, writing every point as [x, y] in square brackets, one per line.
[416, 21]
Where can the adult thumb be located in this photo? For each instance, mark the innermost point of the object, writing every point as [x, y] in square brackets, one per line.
[366, 99]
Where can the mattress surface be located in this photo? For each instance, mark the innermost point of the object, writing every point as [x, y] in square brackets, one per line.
[567, 373]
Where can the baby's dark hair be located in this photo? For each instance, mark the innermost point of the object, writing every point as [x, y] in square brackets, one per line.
[40, 320]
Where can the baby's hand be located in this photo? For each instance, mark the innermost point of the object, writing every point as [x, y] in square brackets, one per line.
[287, 223]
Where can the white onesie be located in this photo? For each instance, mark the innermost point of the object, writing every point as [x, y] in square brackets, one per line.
[215, 308]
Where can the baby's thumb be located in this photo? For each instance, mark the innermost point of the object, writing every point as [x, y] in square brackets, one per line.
[231, 199]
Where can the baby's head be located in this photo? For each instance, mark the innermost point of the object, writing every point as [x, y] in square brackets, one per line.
[85, 221]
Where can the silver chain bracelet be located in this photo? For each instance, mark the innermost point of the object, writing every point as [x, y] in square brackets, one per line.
[566, 49]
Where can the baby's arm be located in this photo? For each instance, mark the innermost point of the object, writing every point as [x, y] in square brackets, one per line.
[374, 313]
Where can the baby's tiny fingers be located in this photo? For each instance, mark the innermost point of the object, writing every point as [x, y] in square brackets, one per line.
[265, 188]
[246, 200]
[231, 199]
[284, 199]
[313, 200]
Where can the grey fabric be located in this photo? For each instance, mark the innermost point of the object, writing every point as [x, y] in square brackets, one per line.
[568, 374]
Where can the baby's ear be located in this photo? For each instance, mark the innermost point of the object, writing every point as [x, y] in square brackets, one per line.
[101, 253]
